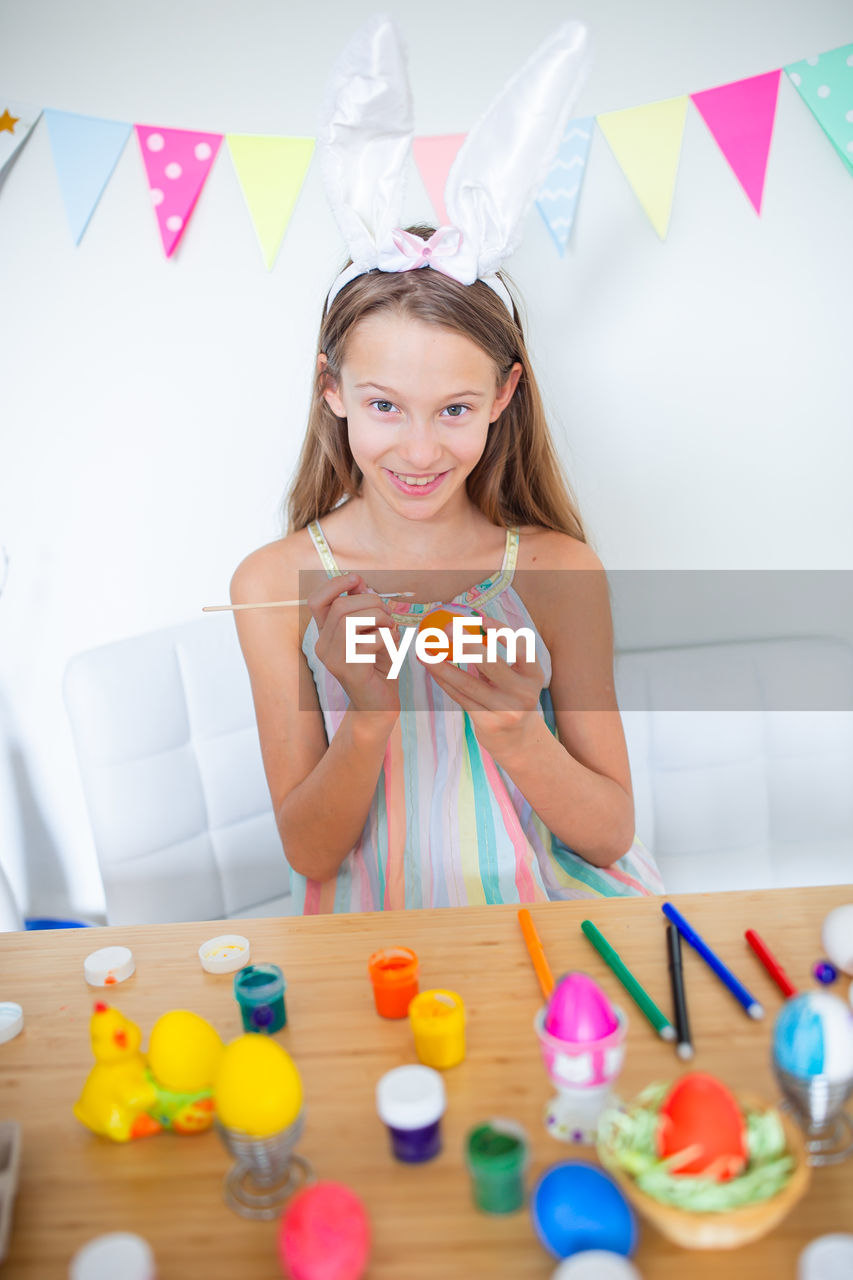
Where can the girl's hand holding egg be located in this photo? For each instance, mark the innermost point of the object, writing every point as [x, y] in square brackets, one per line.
[501, 699]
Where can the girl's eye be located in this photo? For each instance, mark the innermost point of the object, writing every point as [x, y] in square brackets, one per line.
[380, 403]
[451, 407]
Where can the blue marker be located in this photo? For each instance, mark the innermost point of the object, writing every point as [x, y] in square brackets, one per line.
[728, 979]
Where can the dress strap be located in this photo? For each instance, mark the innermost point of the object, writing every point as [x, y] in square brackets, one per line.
[510, 553]
[324, 550]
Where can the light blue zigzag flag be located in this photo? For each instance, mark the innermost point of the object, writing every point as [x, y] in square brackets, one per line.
[825, 83]
[558, 199]
[85, 152]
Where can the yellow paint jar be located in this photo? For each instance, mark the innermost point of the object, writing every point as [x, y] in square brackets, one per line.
[438, 1023]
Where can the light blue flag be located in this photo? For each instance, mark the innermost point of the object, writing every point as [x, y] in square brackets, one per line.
[558, 199]
[825, 83]
[85, 152]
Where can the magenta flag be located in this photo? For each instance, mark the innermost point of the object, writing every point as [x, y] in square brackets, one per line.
[740, 116]
[177, 162]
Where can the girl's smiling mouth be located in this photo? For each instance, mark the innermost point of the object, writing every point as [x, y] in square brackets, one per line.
[407, 482]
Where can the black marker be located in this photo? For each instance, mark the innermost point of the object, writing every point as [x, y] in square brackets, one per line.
[676, 977]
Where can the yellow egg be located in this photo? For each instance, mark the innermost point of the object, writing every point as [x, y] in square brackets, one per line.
[257, 1089]
[184, 1052]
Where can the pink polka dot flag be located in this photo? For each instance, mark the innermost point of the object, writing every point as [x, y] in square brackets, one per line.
[177, 162]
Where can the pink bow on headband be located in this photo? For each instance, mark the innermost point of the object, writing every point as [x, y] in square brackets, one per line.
[443, 243]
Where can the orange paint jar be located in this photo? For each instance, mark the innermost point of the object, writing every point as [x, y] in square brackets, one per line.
[394, 974]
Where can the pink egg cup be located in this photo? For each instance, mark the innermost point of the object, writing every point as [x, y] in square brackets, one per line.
[583, 1074]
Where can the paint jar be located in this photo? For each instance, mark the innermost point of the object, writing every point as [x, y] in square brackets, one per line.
[496, 1154]
[438, 1023]
[259, 990]
[394, 974]
[411, 1101]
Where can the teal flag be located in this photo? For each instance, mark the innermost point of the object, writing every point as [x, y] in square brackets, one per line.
[825, 83]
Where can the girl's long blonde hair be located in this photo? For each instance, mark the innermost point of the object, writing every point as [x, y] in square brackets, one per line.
[517, 481]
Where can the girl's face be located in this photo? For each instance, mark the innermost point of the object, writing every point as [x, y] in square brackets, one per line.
[418, 400]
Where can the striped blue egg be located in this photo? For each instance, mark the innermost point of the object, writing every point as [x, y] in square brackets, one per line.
[813, 1036]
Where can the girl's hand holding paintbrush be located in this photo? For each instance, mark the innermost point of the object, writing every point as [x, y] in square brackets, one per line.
[366, 683]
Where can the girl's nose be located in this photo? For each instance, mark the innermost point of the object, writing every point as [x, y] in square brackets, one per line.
[420, 446]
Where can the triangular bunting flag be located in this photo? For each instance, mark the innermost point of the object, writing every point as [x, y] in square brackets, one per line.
[558, 199]
[16, 121]
[825, 83]
[271, 171]
[85, 152]
[646, 142]
[177, 162]
[434, 156]
[740, 116]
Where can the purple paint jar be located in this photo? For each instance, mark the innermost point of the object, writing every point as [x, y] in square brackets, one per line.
[411, 1101]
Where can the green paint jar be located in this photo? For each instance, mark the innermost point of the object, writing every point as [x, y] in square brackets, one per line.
[497, 1154]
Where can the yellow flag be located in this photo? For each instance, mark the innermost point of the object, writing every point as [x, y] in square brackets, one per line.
[271, 171]
[646, 142]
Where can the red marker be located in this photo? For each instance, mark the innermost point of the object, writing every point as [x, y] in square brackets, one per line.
[771, 964]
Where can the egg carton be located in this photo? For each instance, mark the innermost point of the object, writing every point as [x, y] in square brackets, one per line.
[10, 1160]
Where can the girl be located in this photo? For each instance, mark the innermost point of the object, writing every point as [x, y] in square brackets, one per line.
[427, 446]
[428, 461]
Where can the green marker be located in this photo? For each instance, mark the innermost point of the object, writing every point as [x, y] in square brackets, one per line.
[644, 1002]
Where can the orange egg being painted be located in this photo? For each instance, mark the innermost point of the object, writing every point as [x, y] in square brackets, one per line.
[699, 1112]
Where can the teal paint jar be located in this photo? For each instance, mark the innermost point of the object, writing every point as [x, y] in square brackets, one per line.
[259, 991]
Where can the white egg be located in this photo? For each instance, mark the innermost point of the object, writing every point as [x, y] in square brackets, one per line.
[837, 935]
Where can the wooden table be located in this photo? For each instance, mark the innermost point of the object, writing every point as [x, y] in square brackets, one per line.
[169, 1189]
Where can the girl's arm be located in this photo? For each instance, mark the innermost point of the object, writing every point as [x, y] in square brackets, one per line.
[580, 786]
[321, 792]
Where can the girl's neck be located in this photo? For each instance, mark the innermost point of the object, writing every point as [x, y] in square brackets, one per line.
[447, 538]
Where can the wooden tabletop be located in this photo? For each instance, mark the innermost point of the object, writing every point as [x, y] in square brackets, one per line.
[169, 1189]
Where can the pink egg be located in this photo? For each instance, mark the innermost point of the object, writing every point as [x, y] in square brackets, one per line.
[579, 1011]
[324, 1234]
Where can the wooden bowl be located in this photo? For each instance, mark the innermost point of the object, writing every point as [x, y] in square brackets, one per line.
[721, 1230]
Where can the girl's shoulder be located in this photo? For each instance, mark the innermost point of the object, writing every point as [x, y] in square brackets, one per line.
[274, 571]
[540, 548]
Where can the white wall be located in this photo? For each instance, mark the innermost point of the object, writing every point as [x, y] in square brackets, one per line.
[152, 410]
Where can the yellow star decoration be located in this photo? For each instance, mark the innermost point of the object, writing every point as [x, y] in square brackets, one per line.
[8, 122]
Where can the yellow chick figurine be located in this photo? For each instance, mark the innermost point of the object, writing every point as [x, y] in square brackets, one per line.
[118, 1094]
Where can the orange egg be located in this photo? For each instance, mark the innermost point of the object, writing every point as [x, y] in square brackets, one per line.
[700, 1112]
[443, 619]
[440, 618]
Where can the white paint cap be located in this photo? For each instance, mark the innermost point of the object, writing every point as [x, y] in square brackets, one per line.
[596, 1264]
[225, 954]
[410, 1097]
[119, 1254]
[827, 1258]
[11, 1020]
[108, 966]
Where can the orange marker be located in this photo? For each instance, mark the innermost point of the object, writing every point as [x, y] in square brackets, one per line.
[537, 955]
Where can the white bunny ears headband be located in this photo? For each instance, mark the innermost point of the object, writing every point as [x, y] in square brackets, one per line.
[365, 133]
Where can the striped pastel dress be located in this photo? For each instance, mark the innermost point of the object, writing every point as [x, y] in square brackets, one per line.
[447, 826]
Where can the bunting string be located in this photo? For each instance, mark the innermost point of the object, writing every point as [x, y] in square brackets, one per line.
[271, 169]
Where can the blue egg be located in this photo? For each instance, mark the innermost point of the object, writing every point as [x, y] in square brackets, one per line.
[813, 1036]
[576, 1206]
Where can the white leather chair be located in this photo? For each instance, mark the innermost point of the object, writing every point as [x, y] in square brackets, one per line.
[727, 799]
[10, 914]
[749, 798]
[165, 733]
